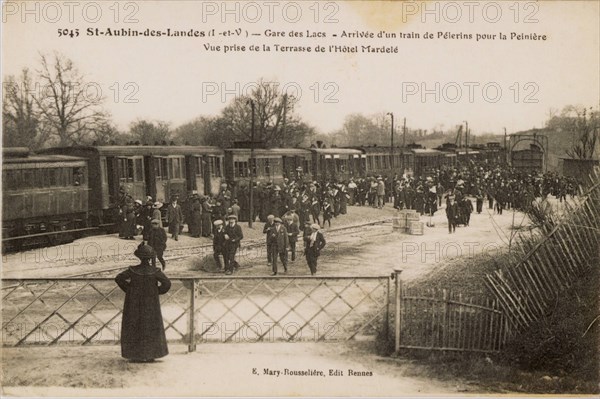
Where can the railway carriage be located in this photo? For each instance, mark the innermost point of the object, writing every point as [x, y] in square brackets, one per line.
[270, 165]
[182, 169]
[157, 171]
[337, 164]
[427, 161]
[45, 197]
[378, 160]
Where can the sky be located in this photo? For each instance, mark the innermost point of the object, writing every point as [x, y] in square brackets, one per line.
[433, 83]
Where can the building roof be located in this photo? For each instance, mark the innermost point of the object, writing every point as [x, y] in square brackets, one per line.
[426, 151]
[137, 150]
[271, 151]
[337, 150]
[45, 159]
[9, 152]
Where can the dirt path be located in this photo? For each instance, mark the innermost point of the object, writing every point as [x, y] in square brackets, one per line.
[377, 250]
[217, 370]
[108, 251]
[371, 250]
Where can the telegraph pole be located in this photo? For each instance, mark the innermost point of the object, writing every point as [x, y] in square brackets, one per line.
[251, 167]
[467, 138]
[284, 120]
[505, 152]
[404, 134]
[392, 142]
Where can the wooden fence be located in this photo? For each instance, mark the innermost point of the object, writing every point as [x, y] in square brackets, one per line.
[446, 321]
[548, 263]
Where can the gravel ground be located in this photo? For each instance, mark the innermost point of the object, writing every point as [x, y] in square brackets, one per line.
[216, 370]
[106, 251]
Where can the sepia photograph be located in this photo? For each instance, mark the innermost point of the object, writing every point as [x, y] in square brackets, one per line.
[305, 198]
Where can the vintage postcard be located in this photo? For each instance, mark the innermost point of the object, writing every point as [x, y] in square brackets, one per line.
[300, 198]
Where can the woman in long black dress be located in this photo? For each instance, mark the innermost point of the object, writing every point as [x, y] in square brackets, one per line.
[206, 215]
[143, 336]
[195, 224]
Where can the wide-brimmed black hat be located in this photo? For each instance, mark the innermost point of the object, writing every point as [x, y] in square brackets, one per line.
[145, 251]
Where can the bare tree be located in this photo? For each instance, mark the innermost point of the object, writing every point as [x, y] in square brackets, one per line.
[104, 134]
[586, 127]
[196, 131]
[359, 129]
[68, 105]
[581, 125]
[275, 122]
[150, 133]
[21, 126]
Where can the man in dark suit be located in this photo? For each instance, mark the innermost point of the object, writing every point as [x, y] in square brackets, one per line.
[292, 231]
[451, 214]
[233, 236]
[306, 232]
[266, 229]
[218, 243]
[157, 239]
[174, 217]
[314, 243]
[279, 241]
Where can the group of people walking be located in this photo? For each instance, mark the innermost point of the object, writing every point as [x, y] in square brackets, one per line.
[282, 236]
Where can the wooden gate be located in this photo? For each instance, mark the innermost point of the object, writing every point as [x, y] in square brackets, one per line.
[444, 321]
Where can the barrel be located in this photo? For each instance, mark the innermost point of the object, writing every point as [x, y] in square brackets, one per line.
[416, 228]
[413, 216]
[399, 223]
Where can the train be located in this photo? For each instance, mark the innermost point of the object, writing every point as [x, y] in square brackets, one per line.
[45, 197]
[60, 192]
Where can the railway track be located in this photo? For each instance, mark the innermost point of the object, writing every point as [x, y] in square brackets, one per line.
[120, 262]
[46, 239]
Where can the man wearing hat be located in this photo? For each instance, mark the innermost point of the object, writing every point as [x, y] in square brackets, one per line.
[157, 239]
[314, 243]
[266, 230]
[233, 236]
[306, 232]
[293, 230]
[380, 190]
[143, 336]
[224, 197]
[174, 217]
[218, 243]
[278, 238]
[452, 214]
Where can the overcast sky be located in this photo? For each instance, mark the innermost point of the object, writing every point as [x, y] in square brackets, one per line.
[176, 79]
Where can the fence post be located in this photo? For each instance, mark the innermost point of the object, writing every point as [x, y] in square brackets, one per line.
[192, 318]
[397, 321]
[387, 310]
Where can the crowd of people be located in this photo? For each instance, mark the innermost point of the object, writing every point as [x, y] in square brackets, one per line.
[294, 208]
